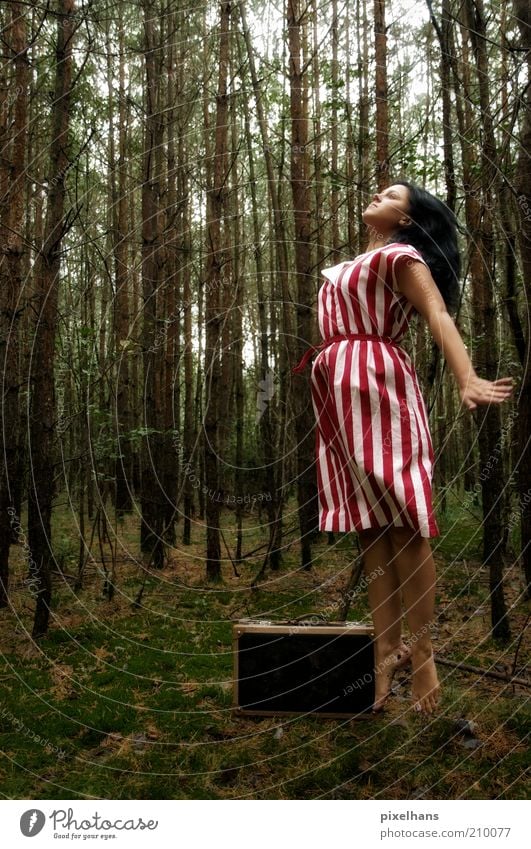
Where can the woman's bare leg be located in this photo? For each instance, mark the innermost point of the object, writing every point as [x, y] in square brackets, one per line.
[386, 608]
[415, 568]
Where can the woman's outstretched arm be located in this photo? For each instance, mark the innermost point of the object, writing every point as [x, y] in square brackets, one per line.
[415, 282]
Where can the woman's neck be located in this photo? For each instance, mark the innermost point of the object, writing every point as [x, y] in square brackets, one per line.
[377, 240]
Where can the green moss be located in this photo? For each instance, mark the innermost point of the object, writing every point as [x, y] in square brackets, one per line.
[140, 701]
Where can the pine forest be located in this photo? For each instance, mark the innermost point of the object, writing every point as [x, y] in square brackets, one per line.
[173, 179]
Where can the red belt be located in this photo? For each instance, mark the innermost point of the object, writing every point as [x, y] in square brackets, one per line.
[303, 362]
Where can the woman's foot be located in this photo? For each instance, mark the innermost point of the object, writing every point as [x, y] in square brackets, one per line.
[425, 687]
[385, 667]
[403, 656]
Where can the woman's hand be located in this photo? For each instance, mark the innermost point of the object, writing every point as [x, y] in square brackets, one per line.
[477, 391]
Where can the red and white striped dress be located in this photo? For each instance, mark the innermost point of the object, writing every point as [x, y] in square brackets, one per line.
[373, 444]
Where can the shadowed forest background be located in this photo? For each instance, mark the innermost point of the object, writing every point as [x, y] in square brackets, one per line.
[173, 176]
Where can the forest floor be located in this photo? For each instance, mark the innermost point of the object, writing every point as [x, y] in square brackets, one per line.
[125, 702]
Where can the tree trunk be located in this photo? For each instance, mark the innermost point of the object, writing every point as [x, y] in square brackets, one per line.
[236, 321]
[487, 355]
[47, 269]
[190, 433]
[382, 106]
[267, 398]
[334, 193]
[299, 178]
[13, 140]
[280, 284]
[121, 319]
[363, 142]
[215, 279]
[152, 527]
[523, 16]
[443, 33]
[174, 216]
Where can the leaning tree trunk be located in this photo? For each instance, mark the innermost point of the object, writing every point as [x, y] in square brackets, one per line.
[305, 420]
[47, 268]
[215, 271]
[266, 386]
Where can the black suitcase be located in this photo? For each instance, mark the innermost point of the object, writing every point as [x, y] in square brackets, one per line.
[303, 667]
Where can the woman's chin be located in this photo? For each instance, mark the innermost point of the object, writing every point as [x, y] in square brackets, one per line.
[369, 219]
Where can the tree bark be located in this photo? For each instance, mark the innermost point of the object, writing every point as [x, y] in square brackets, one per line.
[280, 284]
[216, 269]
[47, 269]
[523, 16]
[363, 146]
[299, 178]
[381, 94]
[172, 276]
[13, 140]
[152, 496]
[443, 31]
[487, 353]
[121, 305]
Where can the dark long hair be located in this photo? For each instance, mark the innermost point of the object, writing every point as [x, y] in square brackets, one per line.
[433, 233]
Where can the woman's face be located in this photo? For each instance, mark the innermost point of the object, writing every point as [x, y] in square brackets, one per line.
[388, 209]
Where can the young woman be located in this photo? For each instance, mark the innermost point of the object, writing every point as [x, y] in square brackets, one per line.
[374, 449]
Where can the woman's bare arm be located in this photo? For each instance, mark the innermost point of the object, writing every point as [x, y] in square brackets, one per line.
[415, 282]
